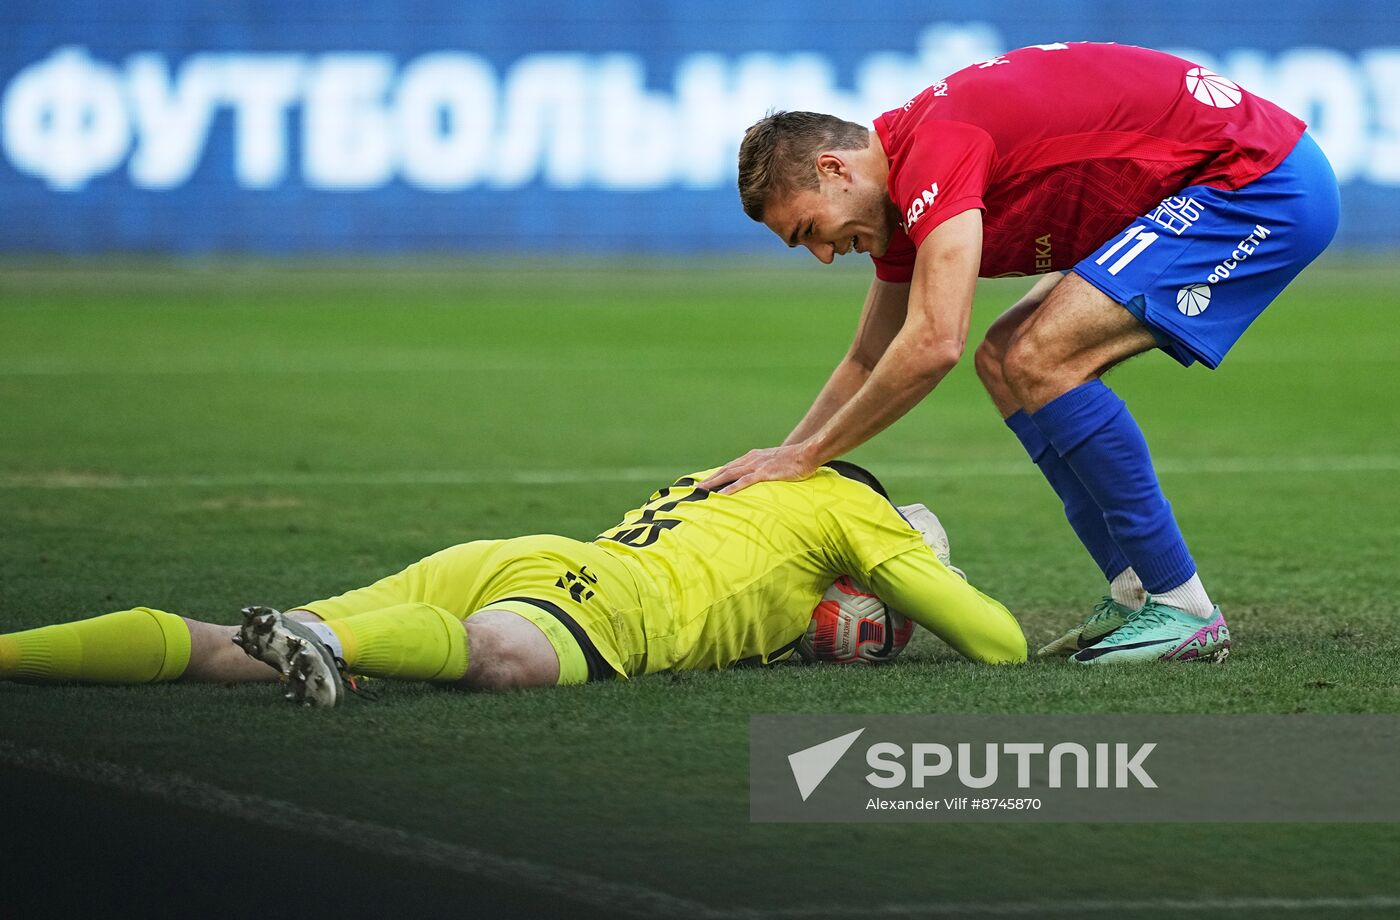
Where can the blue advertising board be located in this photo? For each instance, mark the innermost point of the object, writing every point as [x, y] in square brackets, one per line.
[160, 126]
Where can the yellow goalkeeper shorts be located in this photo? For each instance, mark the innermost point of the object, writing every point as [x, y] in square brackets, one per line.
[583, 600]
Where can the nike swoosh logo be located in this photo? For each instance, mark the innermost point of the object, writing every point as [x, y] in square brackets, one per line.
[1089, 654]
[1085, 643]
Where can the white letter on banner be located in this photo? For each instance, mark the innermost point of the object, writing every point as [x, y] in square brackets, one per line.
[922, 768]
[634, 130]
[965, 767]
[347, 136]
[1382, 67]
[714, 106]
[716, 101]
[806, 82]
[1081, 764]
[1324, 88]
[1250, 68]
[261, 87]
[1023, 751]
[446, 116]
[172, 116]
[885, 78]
[883, 759]
[545, 122]
[944, 47]
[64, 119]
[1133, 765]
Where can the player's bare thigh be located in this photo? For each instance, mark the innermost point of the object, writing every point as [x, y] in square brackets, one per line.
[991, 354]
[1076, 335]
[507, 651]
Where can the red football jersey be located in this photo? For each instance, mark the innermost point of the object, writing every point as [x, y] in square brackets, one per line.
[1062, 146]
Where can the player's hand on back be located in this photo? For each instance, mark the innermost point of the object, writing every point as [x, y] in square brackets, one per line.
[789, 462]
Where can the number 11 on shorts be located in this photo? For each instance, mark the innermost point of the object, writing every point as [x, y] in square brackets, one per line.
[1144, 239]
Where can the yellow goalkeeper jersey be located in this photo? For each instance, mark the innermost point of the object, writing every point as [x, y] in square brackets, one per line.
[697, 579]
[725, 579]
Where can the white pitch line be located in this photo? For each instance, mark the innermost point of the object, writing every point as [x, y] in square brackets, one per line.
[1219, 466]
[624, 898]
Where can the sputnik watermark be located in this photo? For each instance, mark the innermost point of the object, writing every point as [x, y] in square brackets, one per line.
[1074, 768]
[1105, 766]
[1114, 765]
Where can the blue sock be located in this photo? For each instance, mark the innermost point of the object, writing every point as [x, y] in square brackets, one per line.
[1091, 428]
[1082, 511]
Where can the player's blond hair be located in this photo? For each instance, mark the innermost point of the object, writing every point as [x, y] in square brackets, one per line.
[778, 154]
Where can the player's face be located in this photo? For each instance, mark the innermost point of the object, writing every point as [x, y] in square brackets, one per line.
[845, 213]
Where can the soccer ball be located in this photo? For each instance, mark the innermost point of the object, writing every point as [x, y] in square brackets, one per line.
[851, 625]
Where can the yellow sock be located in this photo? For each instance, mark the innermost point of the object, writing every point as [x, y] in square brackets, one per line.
[136, 646]
[407, 642]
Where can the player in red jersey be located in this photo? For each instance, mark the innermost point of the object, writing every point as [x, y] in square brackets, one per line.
[1168, 206]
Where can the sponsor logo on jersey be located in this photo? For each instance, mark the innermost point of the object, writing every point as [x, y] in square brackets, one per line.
[1042, 253]
[939, 89]
[1211, 88]
[919, 205]
[1193, 299]
[1177, 214]
[579, 585]
[1244, 250]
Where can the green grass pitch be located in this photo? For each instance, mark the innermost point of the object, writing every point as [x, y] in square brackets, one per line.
[200, 436]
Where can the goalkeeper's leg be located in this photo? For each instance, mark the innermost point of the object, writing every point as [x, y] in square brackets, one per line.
[136, 646]
[490, 650]
[214, 658]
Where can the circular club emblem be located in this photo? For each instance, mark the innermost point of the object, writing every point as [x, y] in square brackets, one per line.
[1193, 299]
[1212, 89]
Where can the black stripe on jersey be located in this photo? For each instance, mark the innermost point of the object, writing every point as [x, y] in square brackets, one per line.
[781, 651]
[598, 667]
[860, 474]
[754, 661]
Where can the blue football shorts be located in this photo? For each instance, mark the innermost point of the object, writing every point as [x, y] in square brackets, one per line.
[1200, 267]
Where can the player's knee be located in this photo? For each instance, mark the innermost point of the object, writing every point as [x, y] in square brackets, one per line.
[988, 361]
[1028, 367]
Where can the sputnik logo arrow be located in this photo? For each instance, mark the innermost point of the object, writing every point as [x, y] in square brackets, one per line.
[811, 765]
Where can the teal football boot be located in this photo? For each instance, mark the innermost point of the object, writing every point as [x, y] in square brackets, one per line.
[1161, 633]
[1108, 615]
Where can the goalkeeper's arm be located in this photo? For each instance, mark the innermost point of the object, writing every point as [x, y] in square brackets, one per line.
[926, 591]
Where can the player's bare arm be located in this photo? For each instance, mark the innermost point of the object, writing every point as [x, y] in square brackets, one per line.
[926, 348]
[880, 320]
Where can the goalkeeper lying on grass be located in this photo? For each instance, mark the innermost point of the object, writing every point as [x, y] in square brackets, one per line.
[693, 579]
